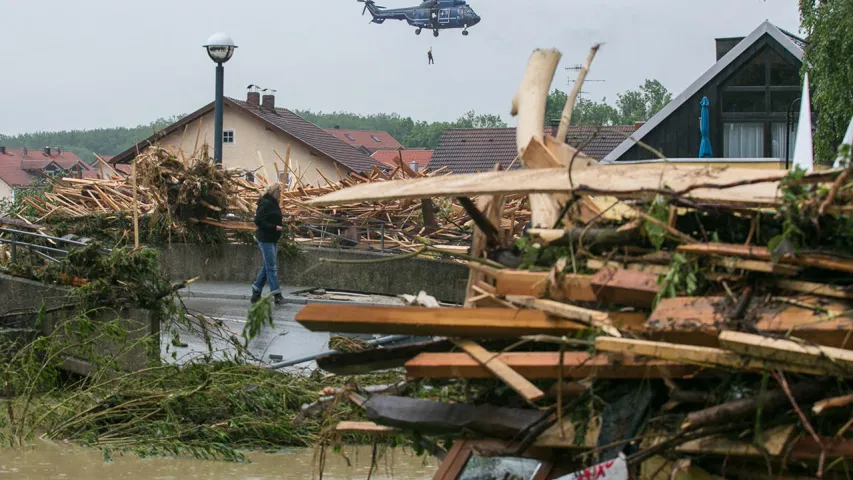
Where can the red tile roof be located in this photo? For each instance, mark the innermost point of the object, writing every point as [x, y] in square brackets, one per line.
[18, 169]
[469, 150]
[420, 157]
[372, 141]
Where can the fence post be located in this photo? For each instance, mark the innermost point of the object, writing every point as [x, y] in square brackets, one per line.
[14, 250]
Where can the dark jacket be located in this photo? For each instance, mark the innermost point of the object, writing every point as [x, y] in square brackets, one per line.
[267, 217]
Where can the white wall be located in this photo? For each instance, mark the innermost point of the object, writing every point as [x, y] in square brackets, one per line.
[252, 135]
[6, 191]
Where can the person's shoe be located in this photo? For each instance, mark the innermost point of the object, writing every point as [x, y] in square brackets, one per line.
[256, 297]
[278, 299]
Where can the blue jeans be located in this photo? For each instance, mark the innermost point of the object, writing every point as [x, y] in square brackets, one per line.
[269, 272]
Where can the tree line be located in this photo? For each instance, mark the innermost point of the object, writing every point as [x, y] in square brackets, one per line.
[630, 106]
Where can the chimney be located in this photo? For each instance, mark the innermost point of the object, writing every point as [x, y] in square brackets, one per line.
[25, 151]
[268, 102]
[254, 99]
[726, 44]
[637, 125]
[2, 149]
[337, 127]
[58, 150]
[47, 151]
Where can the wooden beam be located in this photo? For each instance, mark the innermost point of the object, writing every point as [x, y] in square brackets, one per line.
[545, 365]
[625, 287]
[811, 288]
[365, 427]
[832, 361]
[762, 253]
[500, 370]
[591, 318]
[458, 322]
[639, 267]
[698, 321]
[688, 354]
[830, 403]
[756, 266]
[620, 181]
[775, 441]
[520, 282]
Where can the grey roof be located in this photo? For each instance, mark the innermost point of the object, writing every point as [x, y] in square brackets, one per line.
[282, 119]
[765, 28]
[471, 150]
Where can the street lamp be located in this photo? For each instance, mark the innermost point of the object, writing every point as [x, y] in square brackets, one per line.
[220, 48]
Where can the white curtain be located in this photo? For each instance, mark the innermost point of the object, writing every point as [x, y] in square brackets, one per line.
[777, 137]
[743, 140]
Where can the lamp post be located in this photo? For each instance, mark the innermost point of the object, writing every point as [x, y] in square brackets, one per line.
[220, 48]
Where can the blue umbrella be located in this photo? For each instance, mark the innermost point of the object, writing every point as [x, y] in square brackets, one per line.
[705, 128]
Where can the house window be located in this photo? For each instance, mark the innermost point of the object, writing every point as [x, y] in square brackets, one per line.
[414, 166]
[500, 467]
[777, 138]
[228, 137]
[754, 102]
[375, 139]
[349, 137]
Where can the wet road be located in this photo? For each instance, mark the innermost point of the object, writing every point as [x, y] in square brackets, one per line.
[286, 338]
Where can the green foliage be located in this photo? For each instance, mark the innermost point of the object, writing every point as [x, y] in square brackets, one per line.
[86, 143]
[827, 59]
[659, 210]
[631, 106]
[409, 132]
[682, 278]
[535, 256]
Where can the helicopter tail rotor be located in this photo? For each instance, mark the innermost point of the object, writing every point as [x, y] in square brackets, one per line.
[370, 5]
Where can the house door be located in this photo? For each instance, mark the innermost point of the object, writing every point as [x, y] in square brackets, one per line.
[444, 15]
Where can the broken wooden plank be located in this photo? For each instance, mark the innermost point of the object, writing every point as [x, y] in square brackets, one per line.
[594, 264]
[364, 427]
[699, 320]
[625, 287]
[506, 374]
[830, 360]
[520, 282]
[830, 403]
[762, 253]
[620, 181]
[457, 322]
[545, 365]
[756, 266]
[774, 444]
[811, 288]
[689, 354]
[591, 318]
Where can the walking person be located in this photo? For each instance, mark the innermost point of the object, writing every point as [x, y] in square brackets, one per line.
[268, 219]
[429, 56]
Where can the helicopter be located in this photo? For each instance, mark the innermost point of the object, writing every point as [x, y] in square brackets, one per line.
[432, 14]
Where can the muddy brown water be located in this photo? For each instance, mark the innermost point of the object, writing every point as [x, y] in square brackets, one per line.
[65, 462]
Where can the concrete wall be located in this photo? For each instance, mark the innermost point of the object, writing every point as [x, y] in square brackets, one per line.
[26, 296]
[251, 135]
[241, 263]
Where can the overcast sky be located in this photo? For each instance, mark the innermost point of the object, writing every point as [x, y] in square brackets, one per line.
[100, 63]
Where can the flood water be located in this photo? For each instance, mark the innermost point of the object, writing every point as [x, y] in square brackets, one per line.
[58, 461]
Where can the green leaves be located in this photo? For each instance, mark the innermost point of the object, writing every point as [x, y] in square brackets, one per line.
[682, 276]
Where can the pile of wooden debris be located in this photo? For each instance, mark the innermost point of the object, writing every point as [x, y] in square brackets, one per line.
[701, 325]
[183, 191]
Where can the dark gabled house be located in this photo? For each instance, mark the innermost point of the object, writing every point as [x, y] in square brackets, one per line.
[751, 88]
[470, 150]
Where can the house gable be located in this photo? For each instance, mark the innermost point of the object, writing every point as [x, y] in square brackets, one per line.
[674, 131]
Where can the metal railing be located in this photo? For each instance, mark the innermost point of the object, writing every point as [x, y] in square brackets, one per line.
[20, 238]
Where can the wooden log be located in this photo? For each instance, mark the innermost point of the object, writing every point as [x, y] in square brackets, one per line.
[546, 365]
[714, 357]
[774, 444]
[762, 253]
[365, 427]
[769, 402]
[625, 287]
[490, 361]
[832, 361]
[597, 237]
[830, 403]
[699, 320]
